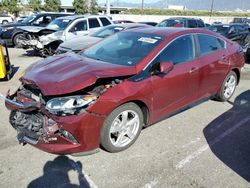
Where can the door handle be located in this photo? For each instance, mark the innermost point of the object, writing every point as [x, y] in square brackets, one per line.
[193, 69]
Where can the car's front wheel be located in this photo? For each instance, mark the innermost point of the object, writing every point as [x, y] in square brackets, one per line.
[16, 40]
[122, 127]
[228, 87]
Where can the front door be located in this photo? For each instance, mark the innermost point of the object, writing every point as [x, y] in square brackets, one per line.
[78, 29]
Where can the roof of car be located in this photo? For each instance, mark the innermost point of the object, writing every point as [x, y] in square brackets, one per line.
[231, 24]
[73, 17]
[166, 31]
[4, 15]
[182, 18]
[129, 25]
[57, 13]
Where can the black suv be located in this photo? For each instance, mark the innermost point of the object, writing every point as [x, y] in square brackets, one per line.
[182, 22]
[10, 32]
[236, 31]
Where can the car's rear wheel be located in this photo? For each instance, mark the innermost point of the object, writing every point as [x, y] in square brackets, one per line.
[228, 87]
[122, 127]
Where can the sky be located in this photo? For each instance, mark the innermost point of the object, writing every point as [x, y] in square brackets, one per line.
[69, 2]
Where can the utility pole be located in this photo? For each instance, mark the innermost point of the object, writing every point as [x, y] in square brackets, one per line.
[142, 6]
[211, 10]
[108, 7]
[212, 7]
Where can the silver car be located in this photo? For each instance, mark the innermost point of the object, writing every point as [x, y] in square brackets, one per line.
[82, 42]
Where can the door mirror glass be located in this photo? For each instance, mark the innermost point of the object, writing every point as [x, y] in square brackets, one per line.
[166, 67]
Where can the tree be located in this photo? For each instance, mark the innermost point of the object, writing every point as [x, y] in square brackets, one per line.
[80, 6]
[35, 5]
[52, 5]
[11, 6]
[93, 9]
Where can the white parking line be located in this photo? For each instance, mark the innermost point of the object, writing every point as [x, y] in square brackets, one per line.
[195, 154]
[150, 184]
[191, 142]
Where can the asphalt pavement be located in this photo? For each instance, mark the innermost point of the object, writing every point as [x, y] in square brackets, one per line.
[205, 146]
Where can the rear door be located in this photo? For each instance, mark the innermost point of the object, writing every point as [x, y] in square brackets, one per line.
[180, 86]
[214, 63]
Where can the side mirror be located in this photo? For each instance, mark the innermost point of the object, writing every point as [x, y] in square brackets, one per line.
[166, 67]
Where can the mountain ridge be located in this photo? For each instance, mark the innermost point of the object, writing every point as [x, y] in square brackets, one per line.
[219, 5]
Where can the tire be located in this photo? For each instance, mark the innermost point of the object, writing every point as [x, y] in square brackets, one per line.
[15, 39]
[5, 22]
[117, 134]
[228, 87]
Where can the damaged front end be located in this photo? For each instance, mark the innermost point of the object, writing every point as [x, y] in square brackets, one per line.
[57, 124]
[45, 42]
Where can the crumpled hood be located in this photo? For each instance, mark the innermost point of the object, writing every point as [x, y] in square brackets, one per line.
[32, 29]
[79, 43]
[59, 75]
[46, 39]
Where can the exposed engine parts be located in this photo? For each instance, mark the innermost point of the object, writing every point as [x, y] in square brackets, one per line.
[44, 42]
[35, 124]
[27, 124]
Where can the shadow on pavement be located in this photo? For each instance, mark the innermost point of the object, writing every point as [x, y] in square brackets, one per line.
[55, 174]
[228, 136]
[31, 53]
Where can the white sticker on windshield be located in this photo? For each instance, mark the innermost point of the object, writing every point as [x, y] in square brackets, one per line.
[65, 20]
[148, 40]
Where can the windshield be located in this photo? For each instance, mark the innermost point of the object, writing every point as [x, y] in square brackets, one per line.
[59, 24]
[123, 48]
[29, 19]
[107, 31]
[171, 23]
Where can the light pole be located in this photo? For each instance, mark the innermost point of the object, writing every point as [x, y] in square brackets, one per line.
[107, 7]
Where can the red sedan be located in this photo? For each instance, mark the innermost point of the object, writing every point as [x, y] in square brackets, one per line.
[105, 95]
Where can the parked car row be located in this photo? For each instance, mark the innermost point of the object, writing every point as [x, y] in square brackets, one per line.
[46, 40]
[45, 32]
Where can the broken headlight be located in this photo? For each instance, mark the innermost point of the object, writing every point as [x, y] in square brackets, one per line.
[69, 105]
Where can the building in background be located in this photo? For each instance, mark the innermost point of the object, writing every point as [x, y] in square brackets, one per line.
[177, 7]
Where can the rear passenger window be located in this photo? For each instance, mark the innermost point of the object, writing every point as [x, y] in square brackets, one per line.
[105, 21]
[192, 24]
[179, 51]
[209, 44]
[93, 22]
[200, 23]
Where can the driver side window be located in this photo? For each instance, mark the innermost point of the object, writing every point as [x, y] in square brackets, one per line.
[178, 51]
[79, 26]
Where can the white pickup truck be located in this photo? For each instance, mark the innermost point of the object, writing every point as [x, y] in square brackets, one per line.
[5, 19]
